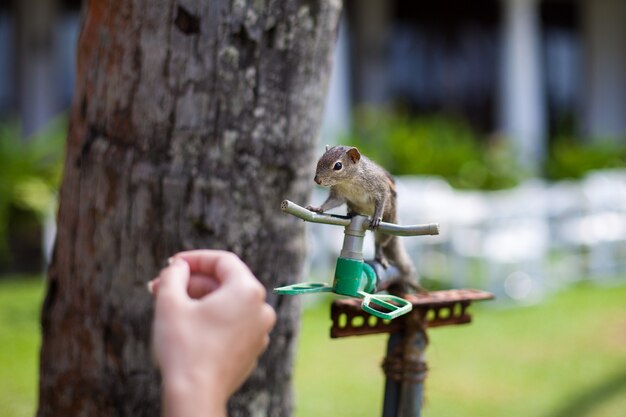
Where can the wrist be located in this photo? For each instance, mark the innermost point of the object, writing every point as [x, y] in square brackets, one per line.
[191, 397]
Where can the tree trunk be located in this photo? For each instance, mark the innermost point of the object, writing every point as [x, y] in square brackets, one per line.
[191, 122]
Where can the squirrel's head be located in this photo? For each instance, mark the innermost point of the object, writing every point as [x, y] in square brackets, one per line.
[339, 163]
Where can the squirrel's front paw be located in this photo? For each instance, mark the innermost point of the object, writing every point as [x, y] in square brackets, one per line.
[375, 223]
[315, 209]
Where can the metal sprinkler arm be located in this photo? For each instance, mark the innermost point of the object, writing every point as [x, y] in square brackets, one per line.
[310, 216]
[353, 277]
[389, 228]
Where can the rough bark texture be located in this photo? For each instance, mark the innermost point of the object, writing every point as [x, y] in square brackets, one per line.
[191, 121]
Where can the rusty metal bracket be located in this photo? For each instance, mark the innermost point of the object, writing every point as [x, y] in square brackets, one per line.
[437, 308]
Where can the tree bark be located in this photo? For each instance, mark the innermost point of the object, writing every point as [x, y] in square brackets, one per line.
[191, 122]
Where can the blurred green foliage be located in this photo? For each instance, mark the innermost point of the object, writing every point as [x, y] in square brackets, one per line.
[572, 158]
[30, 172]
[434, 145]
[448, 147]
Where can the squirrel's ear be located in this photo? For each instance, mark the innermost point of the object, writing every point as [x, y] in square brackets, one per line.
[327, 148]
[354, 154]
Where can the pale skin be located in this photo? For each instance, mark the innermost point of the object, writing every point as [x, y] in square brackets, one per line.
[211, 323]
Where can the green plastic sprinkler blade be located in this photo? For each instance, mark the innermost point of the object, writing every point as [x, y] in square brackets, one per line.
[303, 288]
[376, 304]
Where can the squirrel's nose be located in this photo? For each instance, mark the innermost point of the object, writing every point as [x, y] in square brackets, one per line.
[317, 180]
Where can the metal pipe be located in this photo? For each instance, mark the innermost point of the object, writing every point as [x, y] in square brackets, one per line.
[393, 387]
[405, 370]
[384, 275]
[389, 228]
[415, 230]
[310, 216]
[354, 235]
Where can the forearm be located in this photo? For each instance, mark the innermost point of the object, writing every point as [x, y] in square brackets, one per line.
[332, 201]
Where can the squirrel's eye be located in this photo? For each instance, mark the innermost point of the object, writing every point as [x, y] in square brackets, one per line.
[338, 166]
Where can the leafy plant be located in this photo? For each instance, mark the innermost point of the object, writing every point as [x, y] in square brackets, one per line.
[434, 145]
[30, 172]
[570, 158]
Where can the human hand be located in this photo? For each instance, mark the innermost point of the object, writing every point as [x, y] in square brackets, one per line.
[211, 323]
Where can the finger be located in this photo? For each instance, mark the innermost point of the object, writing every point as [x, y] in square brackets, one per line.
[153, 286]
[174, 279]
[266, 343]
[221, 265]
[201, 285]
[268, 315]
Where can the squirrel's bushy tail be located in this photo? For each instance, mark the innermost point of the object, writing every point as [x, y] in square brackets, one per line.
[397, 255]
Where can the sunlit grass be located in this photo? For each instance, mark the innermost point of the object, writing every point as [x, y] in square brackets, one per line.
[19, 345]
[565, 357]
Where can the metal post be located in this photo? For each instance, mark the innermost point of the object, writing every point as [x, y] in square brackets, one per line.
[354, 235]
[405, 369]
[404, 365]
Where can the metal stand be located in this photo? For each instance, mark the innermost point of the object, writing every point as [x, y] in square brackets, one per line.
[369, 312]
[406, 370]
[404, 364]
[353, 276]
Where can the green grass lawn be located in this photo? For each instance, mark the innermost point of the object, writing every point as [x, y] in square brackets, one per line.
[20, 300]
[565, 357]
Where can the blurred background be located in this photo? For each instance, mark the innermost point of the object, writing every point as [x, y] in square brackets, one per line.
[502, 120]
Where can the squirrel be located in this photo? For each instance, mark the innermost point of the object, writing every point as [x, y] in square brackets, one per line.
[367, 189]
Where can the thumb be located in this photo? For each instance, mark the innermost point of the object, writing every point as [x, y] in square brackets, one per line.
[174, 279]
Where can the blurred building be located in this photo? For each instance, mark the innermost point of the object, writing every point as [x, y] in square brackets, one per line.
[525, 68]
[529, 69]
[37, 59]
